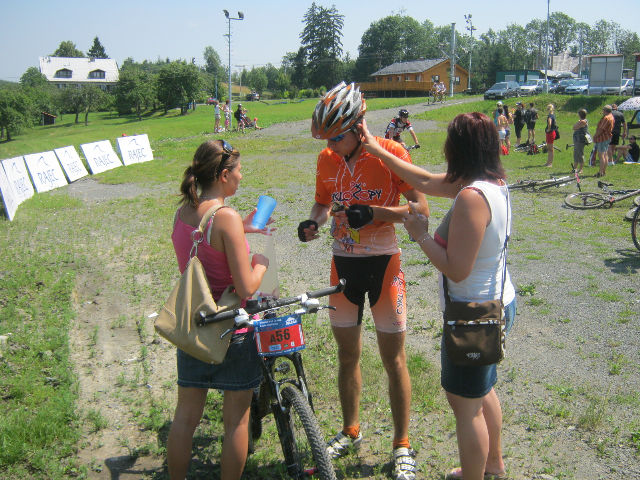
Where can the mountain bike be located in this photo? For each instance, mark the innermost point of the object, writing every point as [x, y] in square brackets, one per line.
[280, 340]
[635, 228]
[539, 185]
[532, 149]
[587, 201]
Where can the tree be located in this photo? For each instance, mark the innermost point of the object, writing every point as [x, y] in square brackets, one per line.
[393, 39]
[92, 99]
[212, 62]
[178, 84]
[14, 111]
[134, 92]
[67, 49]
[321, 39]
[258, 80]
[72, 101]
[97, 50]
[562, 31]
[33, 78]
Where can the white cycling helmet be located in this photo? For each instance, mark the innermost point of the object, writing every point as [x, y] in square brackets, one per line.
[338, 111]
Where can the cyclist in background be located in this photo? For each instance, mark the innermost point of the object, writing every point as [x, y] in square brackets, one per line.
[362, 196]
[398, 125]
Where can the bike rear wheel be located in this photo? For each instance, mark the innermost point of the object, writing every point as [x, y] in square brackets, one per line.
[635, 228]
[521, 185]
[585, 201]
[303, 445]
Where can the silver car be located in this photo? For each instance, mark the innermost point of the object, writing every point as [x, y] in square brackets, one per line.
[625, 88]
[579, 88]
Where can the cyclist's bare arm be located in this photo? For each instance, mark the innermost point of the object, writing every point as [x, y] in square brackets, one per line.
[422, 180]
[414, 136]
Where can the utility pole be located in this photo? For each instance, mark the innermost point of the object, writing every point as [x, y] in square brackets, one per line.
[471, 28]
[228, 35]
[546, 57]
[453, 58]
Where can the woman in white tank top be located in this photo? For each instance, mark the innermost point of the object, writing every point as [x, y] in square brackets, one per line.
[468, 248]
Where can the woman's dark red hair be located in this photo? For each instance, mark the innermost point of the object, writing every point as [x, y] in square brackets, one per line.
[472, 148]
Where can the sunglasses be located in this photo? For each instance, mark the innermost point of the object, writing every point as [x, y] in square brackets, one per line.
[337, 138]
[228, 150]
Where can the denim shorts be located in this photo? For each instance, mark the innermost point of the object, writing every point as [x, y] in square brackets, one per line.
[472, 382]
[240, 369]
[602, 146]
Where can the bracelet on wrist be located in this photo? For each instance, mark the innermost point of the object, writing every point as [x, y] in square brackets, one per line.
[423, 238]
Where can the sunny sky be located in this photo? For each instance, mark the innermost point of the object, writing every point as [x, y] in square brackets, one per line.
[145, 29]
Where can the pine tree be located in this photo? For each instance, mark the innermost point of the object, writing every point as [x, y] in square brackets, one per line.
[321, 39]
[97, 50]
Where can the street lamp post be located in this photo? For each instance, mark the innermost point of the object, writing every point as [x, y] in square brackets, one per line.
[229, 18]
[546, 58]
[471, 28]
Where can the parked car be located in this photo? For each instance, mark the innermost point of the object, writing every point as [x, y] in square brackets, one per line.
[211, 100]
[553, 86]
[625, 88]
[253, 96]
[502, 90]
[531, 87]
[563, 84]
[579, 88]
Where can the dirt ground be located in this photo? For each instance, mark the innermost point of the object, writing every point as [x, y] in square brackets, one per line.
[114, 351]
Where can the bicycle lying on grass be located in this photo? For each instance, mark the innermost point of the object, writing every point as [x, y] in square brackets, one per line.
[532, 149]
[587, 200]
[539, 185]
[279, 341]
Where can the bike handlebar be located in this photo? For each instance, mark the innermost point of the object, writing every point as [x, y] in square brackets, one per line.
[268, 304]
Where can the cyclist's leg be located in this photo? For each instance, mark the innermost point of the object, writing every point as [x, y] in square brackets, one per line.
[349, 374]
[392, 353]
[345, 323]
[235, 415]
[389, 315]
[188, 413]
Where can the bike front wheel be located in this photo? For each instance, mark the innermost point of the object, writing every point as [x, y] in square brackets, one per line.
[303, 445]
[585, 201]
[635, 228]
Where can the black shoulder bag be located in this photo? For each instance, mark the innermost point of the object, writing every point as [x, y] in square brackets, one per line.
[474, 332]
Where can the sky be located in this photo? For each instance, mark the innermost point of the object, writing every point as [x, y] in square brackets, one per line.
[148, 30]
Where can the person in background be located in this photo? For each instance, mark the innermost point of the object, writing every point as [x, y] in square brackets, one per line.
[496, 114]
[518, 122]
[467, 248]
[399, 124]
[226, 109]
[630, 153]
[362, 197]
[550, 133]
[531, 117]
[602, 137]
[502, 128]
[580, 130]
[507, 129]
[213, 176]
[216, 114]
[619, 130]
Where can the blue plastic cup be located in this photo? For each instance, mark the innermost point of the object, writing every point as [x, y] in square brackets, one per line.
[266, 205]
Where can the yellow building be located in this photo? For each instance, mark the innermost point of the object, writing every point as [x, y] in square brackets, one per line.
[414, 78]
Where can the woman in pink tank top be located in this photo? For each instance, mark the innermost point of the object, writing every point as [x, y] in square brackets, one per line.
[213, 176]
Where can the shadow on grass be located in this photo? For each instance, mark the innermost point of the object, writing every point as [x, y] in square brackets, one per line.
[627, 261]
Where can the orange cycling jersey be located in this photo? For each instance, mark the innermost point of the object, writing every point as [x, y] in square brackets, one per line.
[371, 183]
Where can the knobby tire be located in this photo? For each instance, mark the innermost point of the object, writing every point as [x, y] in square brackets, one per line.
[635, 228]
[302, 442]
[586, 201]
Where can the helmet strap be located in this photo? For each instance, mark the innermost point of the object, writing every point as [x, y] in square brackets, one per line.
[353, 152]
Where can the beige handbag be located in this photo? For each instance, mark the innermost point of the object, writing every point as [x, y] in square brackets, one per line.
[191, 295]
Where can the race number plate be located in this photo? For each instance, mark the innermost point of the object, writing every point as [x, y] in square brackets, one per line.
[279, 336]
